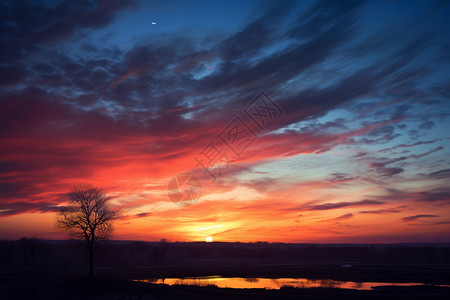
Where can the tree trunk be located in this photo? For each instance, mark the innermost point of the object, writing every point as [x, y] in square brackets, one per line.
[91, 262]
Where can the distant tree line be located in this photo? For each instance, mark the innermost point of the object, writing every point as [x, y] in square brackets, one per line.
[31, 251]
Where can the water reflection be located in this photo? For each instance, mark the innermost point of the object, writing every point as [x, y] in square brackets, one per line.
[271, 283]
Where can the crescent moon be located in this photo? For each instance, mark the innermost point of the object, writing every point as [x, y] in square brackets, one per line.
[153, 23]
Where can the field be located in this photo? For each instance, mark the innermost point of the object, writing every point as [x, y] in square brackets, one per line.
[115, 283]
[37, 269]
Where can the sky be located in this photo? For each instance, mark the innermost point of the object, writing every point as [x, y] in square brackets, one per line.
[278, 121]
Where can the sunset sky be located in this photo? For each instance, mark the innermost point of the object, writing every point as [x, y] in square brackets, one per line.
[340, 111]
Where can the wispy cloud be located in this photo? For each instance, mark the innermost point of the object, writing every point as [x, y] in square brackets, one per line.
[328, 206]
[380, 211]
[441, 174]
[413, 218]
[340, 218]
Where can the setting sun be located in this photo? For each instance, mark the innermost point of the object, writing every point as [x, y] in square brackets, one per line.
[209, 239]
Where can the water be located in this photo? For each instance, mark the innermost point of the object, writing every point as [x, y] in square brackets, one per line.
[269, 283]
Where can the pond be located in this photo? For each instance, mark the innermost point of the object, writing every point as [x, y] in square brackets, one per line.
[272, 283]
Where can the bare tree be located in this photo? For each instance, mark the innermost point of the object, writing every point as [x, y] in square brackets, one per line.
[88, 217]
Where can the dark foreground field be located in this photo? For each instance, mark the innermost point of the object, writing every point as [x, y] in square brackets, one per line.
[115, 283]
[37, 269]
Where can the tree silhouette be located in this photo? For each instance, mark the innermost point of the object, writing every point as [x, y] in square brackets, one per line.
[88, 217]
